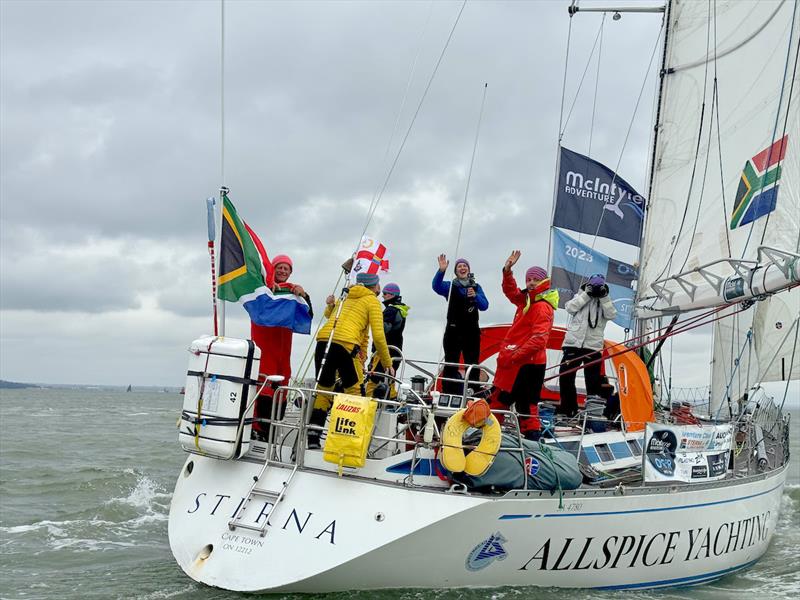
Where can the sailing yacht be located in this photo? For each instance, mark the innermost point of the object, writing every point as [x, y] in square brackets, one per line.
[670, 497]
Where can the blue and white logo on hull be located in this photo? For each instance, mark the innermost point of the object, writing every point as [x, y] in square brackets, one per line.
[487, 552]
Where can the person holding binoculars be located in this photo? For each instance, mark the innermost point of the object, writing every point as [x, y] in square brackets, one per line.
[462, 334]
[591, 308]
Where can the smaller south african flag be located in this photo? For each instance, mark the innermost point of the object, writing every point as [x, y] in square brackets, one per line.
[758, 188]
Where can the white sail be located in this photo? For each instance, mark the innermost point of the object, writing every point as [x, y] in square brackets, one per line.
[775, 337]
[747, 52]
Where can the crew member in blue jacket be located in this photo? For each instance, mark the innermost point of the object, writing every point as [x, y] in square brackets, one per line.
[462, 335]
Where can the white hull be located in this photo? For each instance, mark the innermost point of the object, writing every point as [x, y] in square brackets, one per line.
[333, 533]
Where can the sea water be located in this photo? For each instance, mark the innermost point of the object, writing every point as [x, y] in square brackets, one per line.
[85, 485]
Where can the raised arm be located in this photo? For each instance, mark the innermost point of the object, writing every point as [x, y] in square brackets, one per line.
[510, 289]
[439, 285]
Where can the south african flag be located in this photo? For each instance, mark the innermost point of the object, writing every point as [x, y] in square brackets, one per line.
[758, 187]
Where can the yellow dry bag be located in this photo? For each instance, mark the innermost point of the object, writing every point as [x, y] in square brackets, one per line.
[349, 430]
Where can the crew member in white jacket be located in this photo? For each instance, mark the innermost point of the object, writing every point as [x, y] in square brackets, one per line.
[591, 308]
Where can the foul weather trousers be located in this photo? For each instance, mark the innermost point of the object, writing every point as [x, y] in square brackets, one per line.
[460, 341]
[339, 363]
[572, 360]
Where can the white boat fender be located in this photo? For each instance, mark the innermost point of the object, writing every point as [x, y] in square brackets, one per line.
[478, 461]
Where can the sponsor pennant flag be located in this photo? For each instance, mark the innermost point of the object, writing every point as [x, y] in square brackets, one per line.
[245, 269]
[758, 187]
[574, 262]
[592, 199]
[372, 257]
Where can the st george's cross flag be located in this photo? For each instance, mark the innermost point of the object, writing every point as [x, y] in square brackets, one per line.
[371, 257]
[245, 272]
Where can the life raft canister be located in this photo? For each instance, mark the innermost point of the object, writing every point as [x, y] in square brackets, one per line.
[349, 431]
[478, 461]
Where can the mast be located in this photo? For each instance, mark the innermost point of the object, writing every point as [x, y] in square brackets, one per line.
[639, 324]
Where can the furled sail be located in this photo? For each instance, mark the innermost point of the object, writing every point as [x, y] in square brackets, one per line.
[724, 191]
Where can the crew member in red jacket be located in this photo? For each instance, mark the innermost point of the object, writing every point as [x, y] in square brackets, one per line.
[276, 346]
[523, 355]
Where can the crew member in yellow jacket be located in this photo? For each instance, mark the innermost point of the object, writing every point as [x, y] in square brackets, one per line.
[361, 312]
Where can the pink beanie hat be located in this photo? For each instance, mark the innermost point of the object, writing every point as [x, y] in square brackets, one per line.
[537, 273]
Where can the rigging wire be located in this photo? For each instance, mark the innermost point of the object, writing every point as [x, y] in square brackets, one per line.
[466, 196]
[306, 362]
[708, 146]
[469, 174]
[598, 37]
[630, 127]
[371, 213]
[786, 118]
[791, 362]
[412, 72]
[630, 348]
[659, 333]
[777, 115]
[719, 142]
[596, 85]
[677, 237]
[220, 324]
[222, 92]
[669, 381]
[560, 130]
[564, 81]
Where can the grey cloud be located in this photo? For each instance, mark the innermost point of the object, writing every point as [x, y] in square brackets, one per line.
[111, 131]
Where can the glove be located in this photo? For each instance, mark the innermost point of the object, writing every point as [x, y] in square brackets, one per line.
[506, 355]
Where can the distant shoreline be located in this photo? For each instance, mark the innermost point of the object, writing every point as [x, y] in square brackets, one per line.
[14, 385]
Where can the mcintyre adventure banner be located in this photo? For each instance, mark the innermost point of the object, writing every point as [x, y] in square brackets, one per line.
[574, 263]
[592, 199]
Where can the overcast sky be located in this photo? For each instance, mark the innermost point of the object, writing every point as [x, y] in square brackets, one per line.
[111, 142]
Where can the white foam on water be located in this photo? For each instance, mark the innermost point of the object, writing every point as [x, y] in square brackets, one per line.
[145, 494]
[89, 545]
[159, 594]
[54, 528]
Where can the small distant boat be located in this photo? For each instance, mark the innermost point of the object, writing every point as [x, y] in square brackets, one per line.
[183, 391]
[129, 388]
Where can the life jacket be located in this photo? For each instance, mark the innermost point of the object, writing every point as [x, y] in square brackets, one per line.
[461, 311]
[391, 325]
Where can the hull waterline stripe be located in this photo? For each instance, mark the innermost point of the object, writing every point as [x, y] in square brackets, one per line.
[510, 517]
[646, 510]
[694, 579]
